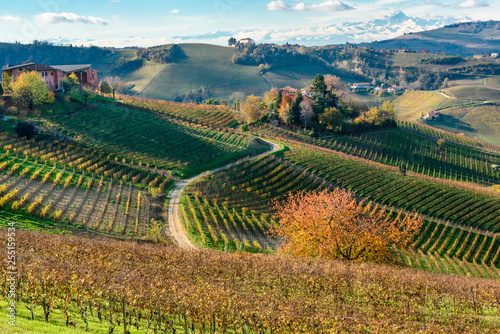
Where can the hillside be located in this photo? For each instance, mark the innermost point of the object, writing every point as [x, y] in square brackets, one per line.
[471, 110]
[465, 39]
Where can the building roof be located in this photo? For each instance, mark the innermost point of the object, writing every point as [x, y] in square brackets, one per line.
[288, 89]
[307, 89]
[29, 66]
[71, 68]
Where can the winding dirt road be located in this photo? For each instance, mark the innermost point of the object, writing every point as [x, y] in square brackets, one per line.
[175, 227]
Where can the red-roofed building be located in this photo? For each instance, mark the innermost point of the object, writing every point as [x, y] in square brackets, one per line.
[53, 74]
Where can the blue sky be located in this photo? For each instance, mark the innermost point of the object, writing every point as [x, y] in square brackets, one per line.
[150, 22]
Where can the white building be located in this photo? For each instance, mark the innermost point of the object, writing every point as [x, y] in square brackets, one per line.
[247, 41]
[361, 85]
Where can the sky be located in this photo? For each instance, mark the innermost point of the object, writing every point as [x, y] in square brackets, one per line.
[152, 22]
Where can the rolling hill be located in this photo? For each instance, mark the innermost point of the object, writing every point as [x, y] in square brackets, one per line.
[471, 110]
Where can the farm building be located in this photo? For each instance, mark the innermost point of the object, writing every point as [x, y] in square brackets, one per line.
[308, 91]
[433, 115]
[53, 74]
[247, 41]
[361, 85]
[288, 90]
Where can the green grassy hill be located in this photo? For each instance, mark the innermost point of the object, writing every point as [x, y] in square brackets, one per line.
[208, 71]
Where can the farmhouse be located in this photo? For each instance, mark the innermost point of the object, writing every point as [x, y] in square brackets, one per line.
[308, 91]
[53, 74]
[361, 85]
[247, 41]
[288, 91]
[433, 115]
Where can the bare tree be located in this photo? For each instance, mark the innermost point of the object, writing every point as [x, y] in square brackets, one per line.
[306, 113]
[114, 82]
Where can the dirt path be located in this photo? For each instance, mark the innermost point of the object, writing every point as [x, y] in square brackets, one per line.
[447, 96]
[175, 227]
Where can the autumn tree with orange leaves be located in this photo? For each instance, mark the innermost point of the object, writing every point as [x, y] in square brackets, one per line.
[333, 225]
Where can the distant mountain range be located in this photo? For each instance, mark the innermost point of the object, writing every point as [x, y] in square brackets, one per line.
[465, 39]
[389, 26]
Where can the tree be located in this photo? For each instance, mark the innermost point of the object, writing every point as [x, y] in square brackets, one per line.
[70, 82]
[333, 225]
[29, 90]
[319, 85]
[269, 99]
[7, 80]
[104, 88]
[331, 118]
[284, 109]
[294, 116]
[380, 116]
[277, 103]
[232, 41]
[115, 83]
[87, 93]
[333, 83]
[1, 90]
[306, 113]
[250, 109]
[25, 129]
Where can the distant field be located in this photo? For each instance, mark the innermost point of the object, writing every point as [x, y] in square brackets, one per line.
[481, 122]
[464, 112]
[492, 82]
[474, 93]
[413, 105]
[411, 58]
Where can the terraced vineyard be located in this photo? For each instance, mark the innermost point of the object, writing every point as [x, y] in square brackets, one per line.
[83, 159]
[59, 182]
[450, 249]
[419, 153]
[460, 205]
[216, 116]
[139, 136]
[448, 265]
[233, 209]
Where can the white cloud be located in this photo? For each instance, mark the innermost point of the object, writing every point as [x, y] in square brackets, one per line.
[472, 4]
[53, 18]
[330, 6]
[115, 1]
[174, 11]
[9, 18]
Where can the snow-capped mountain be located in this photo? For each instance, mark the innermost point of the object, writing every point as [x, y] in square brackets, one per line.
[390, 26]
[395, 24]
[387, 27]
